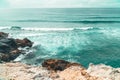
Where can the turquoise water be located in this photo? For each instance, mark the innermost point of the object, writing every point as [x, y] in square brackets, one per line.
[77, 35]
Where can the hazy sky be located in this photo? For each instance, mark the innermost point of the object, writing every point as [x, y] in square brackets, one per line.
[58, 3]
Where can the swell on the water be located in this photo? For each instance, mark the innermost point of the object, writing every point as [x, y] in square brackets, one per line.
[103, 17]
[85, 21]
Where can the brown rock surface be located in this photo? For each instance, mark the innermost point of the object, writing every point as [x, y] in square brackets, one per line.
[23, 43]
[58, 65]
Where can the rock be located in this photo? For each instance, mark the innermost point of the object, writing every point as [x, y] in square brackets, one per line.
[9, 47]
[14, 54]
[3, 35]
[104, 71]
[74, 73]
[10, 42]
[10, 56]
[23, 43]
[4, 48]
[58, 65]
[4, 57]
[19, 71]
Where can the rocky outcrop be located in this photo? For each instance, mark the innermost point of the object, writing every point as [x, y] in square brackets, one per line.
[58, 65]
[23, 43]
[3, 35]
[64, 70]
[9, 47]
[20, 71]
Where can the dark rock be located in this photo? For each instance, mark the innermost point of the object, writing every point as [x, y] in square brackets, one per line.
[10, 56]
[14, 54]
[4, 57]
[9, 47]
[3, 35]
[4, 48]
[10, 42]
[23, 43]
[58, 65]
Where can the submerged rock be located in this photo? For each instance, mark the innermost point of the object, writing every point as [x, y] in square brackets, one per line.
[58, 65]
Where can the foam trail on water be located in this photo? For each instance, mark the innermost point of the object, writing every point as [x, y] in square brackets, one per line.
[47, 29]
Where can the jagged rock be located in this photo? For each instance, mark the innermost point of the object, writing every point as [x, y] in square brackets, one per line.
[10, 42]
[4, 48]
[58, 65]
[10, 56]
[3, 35]
[23, 43]
[9, 47]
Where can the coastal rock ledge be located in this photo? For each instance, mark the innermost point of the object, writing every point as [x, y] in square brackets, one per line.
[20, 71]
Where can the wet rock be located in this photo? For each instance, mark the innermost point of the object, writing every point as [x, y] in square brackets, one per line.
[4, 57]
[58, 65]
[4, 48]
[10, 42]
[14, 54]
[9, 47]
[9, 56]
[23, 43]
[3, 35]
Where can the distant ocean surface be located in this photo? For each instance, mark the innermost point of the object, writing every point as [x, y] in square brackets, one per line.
[86, 35]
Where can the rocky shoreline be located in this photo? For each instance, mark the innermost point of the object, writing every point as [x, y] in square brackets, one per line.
[20, 71]
[50, 69]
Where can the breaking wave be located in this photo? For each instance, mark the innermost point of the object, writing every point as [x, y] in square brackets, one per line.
[48, 29]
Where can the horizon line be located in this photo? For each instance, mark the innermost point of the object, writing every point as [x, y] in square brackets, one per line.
[57, 7]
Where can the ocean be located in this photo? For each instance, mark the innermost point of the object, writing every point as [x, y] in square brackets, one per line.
[83, 35]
